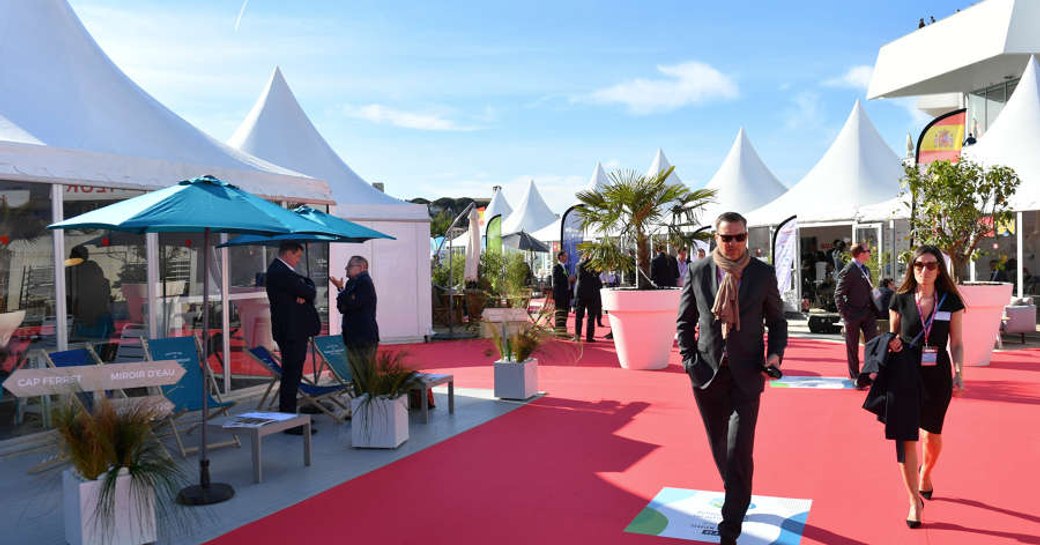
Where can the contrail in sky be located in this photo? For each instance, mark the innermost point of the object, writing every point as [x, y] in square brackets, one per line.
[241, 12]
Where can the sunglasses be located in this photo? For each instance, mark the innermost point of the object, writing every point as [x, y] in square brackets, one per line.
[930, 265]
[740, 237]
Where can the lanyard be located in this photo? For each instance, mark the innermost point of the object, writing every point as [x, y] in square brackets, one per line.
[926, 327]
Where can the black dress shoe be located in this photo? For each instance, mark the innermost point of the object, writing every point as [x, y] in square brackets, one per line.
[915, 524]
[590, 340]
[298, 430]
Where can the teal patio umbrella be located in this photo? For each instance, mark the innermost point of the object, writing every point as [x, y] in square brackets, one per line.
[347, 231]
[200, 205]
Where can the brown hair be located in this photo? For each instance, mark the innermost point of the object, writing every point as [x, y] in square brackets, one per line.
[944, 282]
[859, 248]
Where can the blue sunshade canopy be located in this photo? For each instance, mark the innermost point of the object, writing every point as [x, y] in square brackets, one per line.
[192, 206]
[346, 231]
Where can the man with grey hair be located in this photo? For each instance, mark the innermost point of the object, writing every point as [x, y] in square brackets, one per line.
[733, 299]
[357, 302]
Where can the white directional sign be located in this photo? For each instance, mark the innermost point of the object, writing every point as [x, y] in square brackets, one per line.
[91, 378]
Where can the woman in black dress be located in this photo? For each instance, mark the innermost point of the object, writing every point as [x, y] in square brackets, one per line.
[926, 312]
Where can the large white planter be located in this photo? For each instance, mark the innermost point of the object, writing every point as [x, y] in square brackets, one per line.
[515, 380]
[381, 423]
[643, 323]
[133, 520]
[984, 305]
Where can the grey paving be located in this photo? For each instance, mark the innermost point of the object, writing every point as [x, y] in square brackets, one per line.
[30, 505]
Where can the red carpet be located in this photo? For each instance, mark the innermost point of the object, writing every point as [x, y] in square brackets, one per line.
[577, 465]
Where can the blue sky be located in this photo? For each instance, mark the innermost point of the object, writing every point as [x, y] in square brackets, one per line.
[448, 98]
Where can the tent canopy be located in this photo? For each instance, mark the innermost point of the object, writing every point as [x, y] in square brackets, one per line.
[498, 206]
[858, 169]
[68, 113]
[278, 130]
[530, 215]
[743, 182]
[1014, 139]
[661, 163]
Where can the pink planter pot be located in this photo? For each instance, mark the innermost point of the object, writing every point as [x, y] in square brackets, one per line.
[643, 323]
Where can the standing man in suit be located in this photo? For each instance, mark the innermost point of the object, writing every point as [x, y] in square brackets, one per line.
[561, 292]
[854, 299]
[587, 288]
[662, 270]
[732, 298]
[293, 321]
[357, 303]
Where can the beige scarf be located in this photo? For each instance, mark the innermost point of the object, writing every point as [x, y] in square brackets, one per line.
[727, 304]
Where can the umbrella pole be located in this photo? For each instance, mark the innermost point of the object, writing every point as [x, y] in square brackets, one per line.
[205, 493]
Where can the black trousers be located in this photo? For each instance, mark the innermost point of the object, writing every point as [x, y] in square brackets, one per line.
[730, 417]
[560, 314]
[294, 352]
[580, 309]
[868, 325]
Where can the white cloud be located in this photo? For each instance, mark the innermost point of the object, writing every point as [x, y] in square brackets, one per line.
[857, 77]
[804, 112]
[685, 84]
[380, 114]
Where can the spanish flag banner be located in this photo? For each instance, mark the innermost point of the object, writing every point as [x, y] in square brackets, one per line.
[942, 139]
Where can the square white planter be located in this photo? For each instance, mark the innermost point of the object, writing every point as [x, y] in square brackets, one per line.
[133, 521]
[381, 423]
[516, 380]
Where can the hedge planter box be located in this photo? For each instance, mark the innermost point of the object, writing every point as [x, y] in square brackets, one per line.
[516, 380]
[380, 423]
[133, 513]
[643, 323]
[984, 305]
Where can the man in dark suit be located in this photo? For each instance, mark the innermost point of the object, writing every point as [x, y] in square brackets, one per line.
[561, 292]
[854, 299]
[587, 288]
[662, 270]
[293, 320]
[357, 303]
[732, 298]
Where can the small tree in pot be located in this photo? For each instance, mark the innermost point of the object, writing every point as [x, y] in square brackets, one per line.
[954, 207]
[624, 215]
[957, 205]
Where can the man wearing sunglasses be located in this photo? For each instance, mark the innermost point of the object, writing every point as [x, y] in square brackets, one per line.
[853, 297]
[728, 300]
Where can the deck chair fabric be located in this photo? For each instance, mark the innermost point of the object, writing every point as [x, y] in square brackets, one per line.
[309, 392]
[186, 394]
[334, 354]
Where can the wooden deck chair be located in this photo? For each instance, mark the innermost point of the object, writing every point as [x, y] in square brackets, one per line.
[186, 394]
[309, 392]
[334, 355]
[130, 346]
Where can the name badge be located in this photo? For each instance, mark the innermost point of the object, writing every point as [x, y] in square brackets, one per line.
[942, 315]
[929, 356]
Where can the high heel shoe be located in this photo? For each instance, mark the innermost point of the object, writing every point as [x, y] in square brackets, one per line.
[927, 494]
[915, 524]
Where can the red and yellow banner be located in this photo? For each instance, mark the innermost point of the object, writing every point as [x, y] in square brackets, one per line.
[942, 139]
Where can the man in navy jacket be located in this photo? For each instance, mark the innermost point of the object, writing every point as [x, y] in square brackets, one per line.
[357, 302]
[293, 318]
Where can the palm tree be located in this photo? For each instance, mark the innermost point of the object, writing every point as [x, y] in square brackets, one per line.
[632, 208]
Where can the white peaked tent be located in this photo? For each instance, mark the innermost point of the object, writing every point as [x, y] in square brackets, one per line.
[278, 130]
[68, 114]
[660, 163]
[858, 169]
[1014, 139]
[743, 182]
[599, 178]
[498, 206]
[530, 215]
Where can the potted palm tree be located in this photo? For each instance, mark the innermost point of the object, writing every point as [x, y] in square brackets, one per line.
[624, 215]
[954, 207]
[380, 408]
[120, 472]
